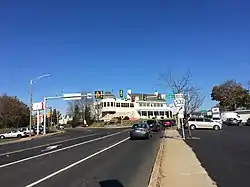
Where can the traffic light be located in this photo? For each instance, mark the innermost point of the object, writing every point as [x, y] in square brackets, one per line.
[101, 94]
[144, 98]
[98, 94]
[121, 93]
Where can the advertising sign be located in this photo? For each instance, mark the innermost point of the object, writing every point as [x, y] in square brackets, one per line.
[38, 106]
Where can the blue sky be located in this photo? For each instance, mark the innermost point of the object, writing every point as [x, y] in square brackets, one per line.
[114, 44]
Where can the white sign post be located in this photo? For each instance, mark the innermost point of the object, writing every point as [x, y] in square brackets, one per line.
[37, 107]
[215, 110]
[72, 96]
[179, 102]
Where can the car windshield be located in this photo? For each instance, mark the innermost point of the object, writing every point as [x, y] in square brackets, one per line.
[141, 125]
[216, 118]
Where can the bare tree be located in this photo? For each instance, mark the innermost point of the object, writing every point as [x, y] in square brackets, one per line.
[194, 97]
[71, 108]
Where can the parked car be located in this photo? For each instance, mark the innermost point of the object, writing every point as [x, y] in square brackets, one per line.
[232, 122]
[12, 134]
[217, 120]
[248, 122]
[203, 123]
[140, 130]
[26, 130]
[168, 122]
[156, 127]
[151, 122]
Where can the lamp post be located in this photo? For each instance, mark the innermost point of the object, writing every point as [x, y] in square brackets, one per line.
[31, 95]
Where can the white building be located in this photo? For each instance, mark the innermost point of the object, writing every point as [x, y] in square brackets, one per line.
[135, 106]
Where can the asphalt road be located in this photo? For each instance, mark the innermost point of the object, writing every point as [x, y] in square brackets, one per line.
[224, 154]
[84, 158]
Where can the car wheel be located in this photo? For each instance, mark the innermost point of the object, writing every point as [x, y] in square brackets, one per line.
[216, 127]
[19, 136]
[192, 127]
[2, 137]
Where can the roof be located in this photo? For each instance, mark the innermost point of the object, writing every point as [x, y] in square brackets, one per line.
[108, 95]
[150, 97]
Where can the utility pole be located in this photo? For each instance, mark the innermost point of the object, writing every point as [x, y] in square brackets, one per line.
[31, 95]
[31, 83]
[248, 94]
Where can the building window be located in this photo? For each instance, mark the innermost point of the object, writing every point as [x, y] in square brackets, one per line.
[170, 113]
[140, 104]
[144, 104]
[161, 113]
[132, 105]
[122, 104]
[139, 112]
[118, 104]
[104, 104]
[161, 105]
[167, 114]
[127, 104]
[111, 103]
[150, 113]
[107, 104]
[158, 105]
[156, 113]
[148, 104]
[144, 113]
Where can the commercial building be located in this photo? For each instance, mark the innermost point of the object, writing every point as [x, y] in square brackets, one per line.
[134, 106]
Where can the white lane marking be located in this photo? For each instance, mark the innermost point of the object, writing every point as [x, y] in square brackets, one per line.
[39, 146]
[75, 163]
[64, 148]
[50, 148]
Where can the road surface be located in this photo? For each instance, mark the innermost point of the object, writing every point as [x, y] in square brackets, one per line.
[224, 154]
[80, 157]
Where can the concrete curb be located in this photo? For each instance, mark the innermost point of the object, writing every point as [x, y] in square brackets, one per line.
[156, 172]
[30, 138]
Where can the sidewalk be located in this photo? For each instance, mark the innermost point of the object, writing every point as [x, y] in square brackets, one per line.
[177, 166]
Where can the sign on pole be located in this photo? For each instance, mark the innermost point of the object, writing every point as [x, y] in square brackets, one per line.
[72, 96]
[215, 110]
[181, 113]
[38, 106]
[179, 100]
[89, 95]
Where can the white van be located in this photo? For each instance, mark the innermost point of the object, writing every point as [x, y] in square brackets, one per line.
[230, 115]
[203, 123]
[217, 119]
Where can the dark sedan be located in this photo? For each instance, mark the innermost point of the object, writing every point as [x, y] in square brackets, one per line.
[140, 130]
[156, 127]
[248, 122]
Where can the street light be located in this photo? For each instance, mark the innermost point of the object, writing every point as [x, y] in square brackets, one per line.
[31, 84]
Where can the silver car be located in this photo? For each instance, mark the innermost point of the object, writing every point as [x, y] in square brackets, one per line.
[140, 130]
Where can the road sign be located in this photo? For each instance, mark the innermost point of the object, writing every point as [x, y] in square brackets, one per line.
[38, 106]
[179, 102]
[178, 96]
[215, 110]
[73, 96]
[181, 113]
[89, 95]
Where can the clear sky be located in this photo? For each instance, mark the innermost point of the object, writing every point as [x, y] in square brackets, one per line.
[119, 44]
